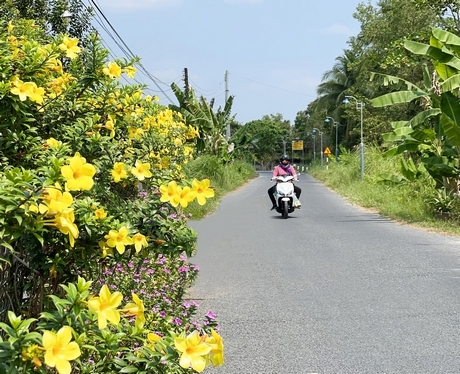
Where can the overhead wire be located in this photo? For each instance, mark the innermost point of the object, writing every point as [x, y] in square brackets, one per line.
[127, 51]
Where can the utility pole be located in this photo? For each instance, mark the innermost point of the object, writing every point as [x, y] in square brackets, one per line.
[186, 86]
[227, 133]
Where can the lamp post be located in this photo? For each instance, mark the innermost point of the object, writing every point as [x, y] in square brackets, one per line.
[336, 125]
[321, 143]
[314, 146]
[359, 106]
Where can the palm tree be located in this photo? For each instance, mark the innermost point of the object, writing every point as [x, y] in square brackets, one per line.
[336, 81]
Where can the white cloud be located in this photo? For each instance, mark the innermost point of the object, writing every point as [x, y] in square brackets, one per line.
[138, 4]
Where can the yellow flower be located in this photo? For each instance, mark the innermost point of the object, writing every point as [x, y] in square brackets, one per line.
[69, 46]
[136, 309]
[37, 94]
[56, 200]
[203, 191]
[130, 71]
[60, 350]
[193, 348]
[106, 250]
[100, 213]
[139, 241]
[112, 70]
[105, 305]
[10, 27]
[168, 192]
[118, 171]
[217, 348]
[78, 173]
[53, 143]
[118, 239]
[64, 221]
[141, 171]
[183, 197]
[152, 337]
[23, 90]
[110, 125]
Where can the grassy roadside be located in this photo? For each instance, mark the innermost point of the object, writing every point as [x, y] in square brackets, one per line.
[406, 203]
[224, 179]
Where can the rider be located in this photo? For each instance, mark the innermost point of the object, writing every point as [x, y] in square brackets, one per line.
[283, 168]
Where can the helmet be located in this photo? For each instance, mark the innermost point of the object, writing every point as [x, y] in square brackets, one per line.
[285, 157]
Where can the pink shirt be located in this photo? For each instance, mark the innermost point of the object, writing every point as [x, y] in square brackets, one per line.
[278, 170]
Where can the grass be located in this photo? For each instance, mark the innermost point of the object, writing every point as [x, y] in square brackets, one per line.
[224, 177]
[406, 202]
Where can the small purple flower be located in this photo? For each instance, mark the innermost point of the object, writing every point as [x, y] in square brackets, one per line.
[211, 315]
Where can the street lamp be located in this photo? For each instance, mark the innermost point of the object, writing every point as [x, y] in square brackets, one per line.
[360, 106]
[321, 143]
[314, 146]
[336, 124]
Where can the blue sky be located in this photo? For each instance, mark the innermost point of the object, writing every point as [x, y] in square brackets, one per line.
[275, 51]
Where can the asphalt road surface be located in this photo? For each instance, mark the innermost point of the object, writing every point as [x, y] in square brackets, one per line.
[331, 289]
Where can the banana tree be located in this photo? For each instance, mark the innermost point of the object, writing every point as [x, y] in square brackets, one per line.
[211, 125]
[432, 137]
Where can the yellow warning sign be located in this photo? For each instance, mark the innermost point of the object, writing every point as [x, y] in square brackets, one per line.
[327, 151]
[297, 145]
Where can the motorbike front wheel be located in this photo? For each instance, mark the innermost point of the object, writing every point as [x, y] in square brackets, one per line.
[285, 209]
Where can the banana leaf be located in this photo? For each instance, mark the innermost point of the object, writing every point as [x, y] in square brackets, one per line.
[446, 37]
[409, 147]
[396, 98]
[391, 79]
[421, 117]
[450, 120]
[451, 84]
[435, 53]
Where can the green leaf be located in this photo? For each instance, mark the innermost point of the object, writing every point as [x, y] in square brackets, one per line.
[410, 147]
[421, 117]
[451, 83]
[450, 120]
[433, 52]
[445, 36]
[129, 369]
[396, 98]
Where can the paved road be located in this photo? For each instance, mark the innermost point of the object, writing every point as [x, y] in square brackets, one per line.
[332, 289]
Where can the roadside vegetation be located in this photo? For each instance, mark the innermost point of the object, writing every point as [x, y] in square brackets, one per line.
[414, 202]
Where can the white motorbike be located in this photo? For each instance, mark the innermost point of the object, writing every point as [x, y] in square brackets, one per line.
[286, 200]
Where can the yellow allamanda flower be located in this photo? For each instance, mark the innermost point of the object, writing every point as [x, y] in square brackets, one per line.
[23, 90]
[53, 143]
[202, 189]
[56, 200]
[139, 241]
[64, 221]
[37, 94]
[60, 350]
[130, 71]
[70, 47]
[10, 27]
[106, 250]
[105, 306]
[113, 70]
[141, 170]
[100, 213]
[168, 192]
[192, 349]
[135, 133]
[178, 142]
[118, 239]
[135, 309]
[118, 172]
[79, 174]
[183, 196]
[110, 125]
[217, 348]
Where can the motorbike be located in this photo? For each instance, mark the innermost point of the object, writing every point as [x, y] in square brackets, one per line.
[286, 200]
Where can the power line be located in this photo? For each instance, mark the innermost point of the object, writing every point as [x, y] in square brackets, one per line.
[127, 51]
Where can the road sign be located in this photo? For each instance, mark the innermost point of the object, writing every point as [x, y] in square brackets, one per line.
[327, 151]
[297, 145]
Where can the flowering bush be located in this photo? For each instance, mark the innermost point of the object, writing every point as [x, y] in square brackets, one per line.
[93, 334]
[85, 163]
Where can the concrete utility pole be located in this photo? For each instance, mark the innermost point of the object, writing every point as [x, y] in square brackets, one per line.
[186, 85]
[227, 133]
